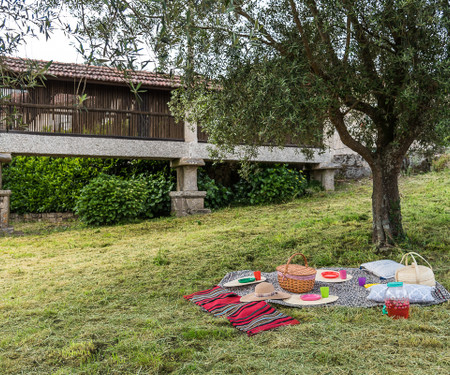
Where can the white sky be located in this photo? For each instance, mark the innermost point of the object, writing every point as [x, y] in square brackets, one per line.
[61, 47]
[57, 48]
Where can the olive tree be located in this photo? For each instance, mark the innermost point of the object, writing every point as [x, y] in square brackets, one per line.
[259, 71]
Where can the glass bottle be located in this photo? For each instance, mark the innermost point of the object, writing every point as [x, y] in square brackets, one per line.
[396, 301]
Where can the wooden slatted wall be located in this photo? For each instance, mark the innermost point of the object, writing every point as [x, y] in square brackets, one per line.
[89, 109]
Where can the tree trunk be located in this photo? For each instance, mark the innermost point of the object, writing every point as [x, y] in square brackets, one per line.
[386, 211]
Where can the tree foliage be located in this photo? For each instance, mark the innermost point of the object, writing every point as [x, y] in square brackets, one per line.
[21, 19]
[287, 65]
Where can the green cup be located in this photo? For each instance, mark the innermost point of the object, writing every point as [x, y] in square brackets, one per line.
[325, 291]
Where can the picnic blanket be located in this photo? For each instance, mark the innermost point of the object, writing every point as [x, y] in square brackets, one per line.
[251, 317]
[349, 292]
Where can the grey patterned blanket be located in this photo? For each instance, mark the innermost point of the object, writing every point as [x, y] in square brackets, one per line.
[349, 292]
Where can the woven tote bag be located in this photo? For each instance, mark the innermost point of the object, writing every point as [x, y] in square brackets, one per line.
[296, 278]
[414, 273]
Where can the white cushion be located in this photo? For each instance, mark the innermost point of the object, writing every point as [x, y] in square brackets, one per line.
[416, 293]
[384, 268]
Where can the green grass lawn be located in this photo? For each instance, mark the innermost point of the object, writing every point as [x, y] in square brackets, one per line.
[77, 300]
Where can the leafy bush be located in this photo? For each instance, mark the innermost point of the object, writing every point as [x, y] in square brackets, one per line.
[110, 199]
[313, 186]
[441, 163]
[158, 200]
[271, 185]
[44, 184]
[217, 195]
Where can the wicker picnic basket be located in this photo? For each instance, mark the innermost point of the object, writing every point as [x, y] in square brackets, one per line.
[296, 278]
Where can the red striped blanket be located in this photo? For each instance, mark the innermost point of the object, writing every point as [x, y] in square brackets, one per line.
[251, 317]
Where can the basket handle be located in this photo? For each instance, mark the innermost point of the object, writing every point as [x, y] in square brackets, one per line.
[411, 254]
[289, 261]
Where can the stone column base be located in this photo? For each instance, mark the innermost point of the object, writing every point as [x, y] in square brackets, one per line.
[325, 174]
[186, 203]
[9, 230]
[4, 210]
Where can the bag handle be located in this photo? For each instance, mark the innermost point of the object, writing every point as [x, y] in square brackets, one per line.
[411, 254]
[289, 261]
[414, 264]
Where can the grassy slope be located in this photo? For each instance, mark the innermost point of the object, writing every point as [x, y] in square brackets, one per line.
[109, 300]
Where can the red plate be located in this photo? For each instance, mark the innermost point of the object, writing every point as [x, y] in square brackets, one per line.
[310, 297]
[330, 274]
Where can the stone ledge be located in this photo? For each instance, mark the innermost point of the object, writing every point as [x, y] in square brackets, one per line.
[5, 158]
[185, 203]
[187, 194]
[53, 217]
[7, 230]
[323, 166]
[187, 162]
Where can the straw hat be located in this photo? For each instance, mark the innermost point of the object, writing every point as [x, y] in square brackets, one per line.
[264, 291]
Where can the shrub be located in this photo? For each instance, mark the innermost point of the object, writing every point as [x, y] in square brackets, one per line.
[217, 195]
[271, 185]
[313, 186]
[158, 200]
[441, 163]
[44, 184]
[110, 199]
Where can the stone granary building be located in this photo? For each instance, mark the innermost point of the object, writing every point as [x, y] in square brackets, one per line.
[90, 111]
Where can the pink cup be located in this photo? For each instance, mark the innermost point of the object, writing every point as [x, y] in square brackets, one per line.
[343, 274]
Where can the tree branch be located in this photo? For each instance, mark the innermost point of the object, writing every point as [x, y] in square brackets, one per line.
[393, 46]
[360, 106]
[323, 35]
[140, 15]
[309, 55]
[248, 36]
[365, 54]
[337, 119]
[271, 41]
[347, 41]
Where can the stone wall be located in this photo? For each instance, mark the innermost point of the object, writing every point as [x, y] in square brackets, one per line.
[353, 166]
[52, 217]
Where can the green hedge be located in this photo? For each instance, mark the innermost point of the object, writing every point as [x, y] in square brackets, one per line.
[275, 184]
[105, 191]
[217, 195]
[158, 186]
[111, 199]
[44, 184]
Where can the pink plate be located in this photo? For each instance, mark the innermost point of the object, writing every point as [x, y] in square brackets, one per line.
[310, 297]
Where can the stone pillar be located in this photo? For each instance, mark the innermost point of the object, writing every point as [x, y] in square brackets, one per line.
[190, 132]
[325, 174]
[187, 200]
[4, 211]
[5, 197]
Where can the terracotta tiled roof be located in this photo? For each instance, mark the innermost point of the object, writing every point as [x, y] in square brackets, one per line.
[96, 73]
